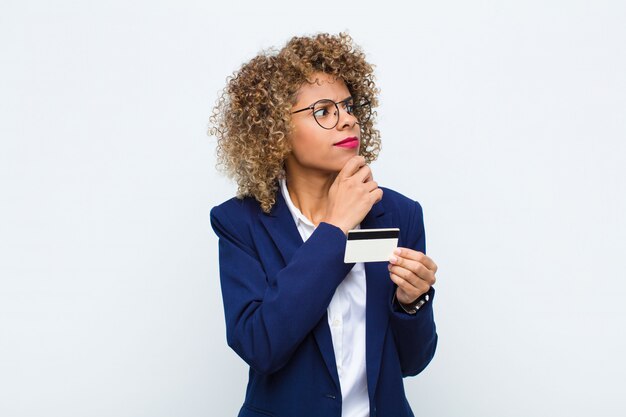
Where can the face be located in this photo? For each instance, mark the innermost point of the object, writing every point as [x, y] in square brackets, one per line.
[315, 149]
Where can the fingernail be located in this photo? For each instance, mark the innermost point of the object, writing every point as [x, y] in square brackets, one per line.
[393, 259]
[397, 251]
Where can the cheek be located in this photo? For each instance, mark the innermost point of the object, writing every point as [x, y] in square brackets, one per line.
[306, 144]
[305, 151]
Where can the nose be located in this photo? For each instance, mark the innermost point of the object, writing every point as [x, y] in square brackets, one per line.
[346, 120]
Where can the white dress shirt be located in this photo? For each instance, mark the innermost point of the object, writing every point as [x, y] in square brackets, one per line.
[346, 318]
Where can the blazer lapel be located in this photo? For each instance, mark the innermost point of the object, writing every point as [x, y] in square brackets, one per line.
[376, 316]
[282, 228]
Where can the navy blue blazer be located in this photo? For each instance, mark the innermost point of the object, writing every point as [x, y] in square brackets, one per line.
[276, 290]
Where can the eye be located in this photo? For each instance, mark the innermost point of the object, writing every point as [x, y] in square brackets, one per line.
[320, 112]
[323, 109]
[349, 106]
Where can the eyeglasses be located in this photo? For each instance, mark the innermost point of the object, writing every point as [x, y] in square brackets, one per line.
[326, 111]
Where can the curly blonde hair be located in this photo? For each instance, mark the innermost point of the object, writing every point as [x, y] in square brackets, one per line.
[252, 116]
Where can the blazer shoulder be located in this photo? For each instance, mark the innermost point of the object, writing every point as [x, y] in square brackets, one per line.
[234, 217]
[408, 215]
[395, 201]
[236, 209]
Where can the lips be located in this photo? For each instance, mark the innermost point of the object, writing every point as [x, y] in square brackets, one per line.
[348, 141]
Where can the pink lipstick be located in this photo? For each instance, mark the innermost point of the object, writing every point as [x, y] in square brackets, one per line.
[350, 143]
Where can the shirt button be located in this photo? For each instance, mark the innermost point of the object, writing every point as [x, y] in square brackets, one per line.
[336, 323]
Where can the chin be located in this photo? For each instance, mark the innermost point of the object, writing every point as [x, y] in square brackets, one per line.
[342, 162]
[331, 164]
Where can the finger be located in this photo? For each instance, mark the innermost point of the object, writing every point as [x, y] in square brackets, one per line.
[408, 253]
[403, 273]
[371, 186]
[410, 290]
[376, 195]
[351, 166]
[413, 273]
[370, 177]
[420, 286]
[363, 174]
[414, 267]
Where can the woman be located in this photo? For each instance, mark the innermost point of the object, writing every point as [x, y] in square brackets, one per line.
[322, 337]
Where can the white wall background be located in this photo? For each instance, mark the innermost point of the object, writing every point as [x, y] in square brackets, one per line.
[506, 120]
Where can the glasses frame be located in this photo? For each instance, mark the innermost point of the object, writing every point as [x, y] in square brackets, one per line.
[336, 103]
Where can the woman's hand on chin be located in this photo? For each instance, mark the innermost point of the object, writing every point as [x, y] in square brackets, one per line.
[352, 195]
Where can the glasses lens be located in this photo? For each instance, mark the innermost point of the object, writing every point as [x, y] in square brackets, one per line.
[326, 114]
[362, 110]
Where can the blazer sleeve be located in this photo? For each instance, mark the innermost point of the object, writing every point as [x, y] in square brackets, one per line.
[266, 322]
[415, 335]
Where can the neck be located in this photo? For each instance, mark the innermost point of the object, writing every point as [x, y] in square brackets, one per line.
[309, 193]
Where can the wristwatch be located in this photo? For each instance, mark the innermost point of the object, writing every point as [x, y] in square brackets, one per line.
[415, 305]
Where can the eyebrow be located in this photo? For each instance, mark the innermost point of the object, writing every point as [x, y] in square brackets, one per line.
[347, 98]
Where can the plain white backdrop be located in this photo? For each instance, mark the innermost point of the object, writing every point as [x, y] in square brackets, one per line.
[505, 120]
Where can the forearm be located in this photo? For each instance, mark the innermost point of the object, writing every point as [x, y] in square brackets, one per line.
[415, 336]
[268, 317]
